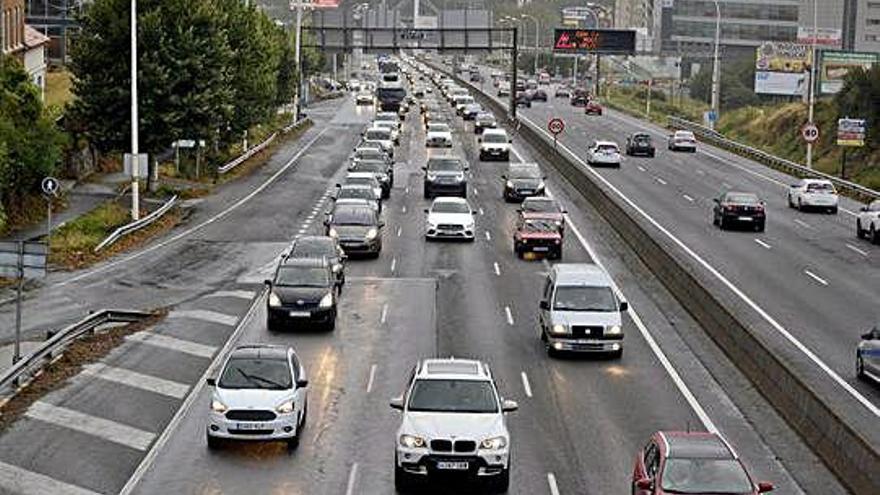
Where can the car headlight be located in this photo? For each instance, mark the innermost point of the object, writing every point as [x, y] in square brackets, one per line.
[470, 226]
[459, 178]
[337, 268]
[372, 233]
[333, 233]
[541, 185]
[510, 184]
[285, 408]
[412, 441]
[326, 301]
[218, 406]
[274, 300]
[613, 330]
[432, 177]
[493, 443]
[559, 329]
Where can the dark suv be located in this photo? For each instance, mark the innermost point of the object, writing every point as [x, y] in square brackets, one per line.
[445, 176]
[639, 143]
[303, 290]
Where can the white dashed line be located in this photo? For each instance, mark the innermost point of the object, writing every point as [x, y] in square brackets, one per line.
[488, 236]
[551, 480]
[399, 231]
[700, 172]
[372, 377]
[803, 224]
[393, 264]
[661, 181]
[352, 476]
[481, 211]
[687, 198]
[497, 269]
[509, 315]
[762, 244]
[816, 277]
[526, 385]
[406, 191]
[853, 248]
[476, 192]
[302, 231]
[641, 168]
[384, 316]
[403, 209]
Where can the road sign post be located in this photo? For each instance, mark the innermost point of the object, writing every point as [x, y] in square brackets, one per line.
[50, 190]
[810, 132]
[555, 126]
[22, 260]
[850, 133]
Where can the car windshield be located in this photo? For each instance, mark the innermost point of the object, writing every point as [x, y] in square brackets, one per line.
[314, 248]
[642, 138]
[822, 187]
[243, 373]
[378, 134]
[524, 173]
[539, 226]
[453, 396]
[741, 199]
[370, 154]
[354, 216]
[494, 138]
[372, 167]
[448, 165]
[301, 276]
[450, 207]
[705, 476]
[360, 181]
[384, 124]
[386, 117]
[356, 193]
[684, 135]
[585, 298]
[485, 116]
[438, 127]
[541, 206]
[606, 148]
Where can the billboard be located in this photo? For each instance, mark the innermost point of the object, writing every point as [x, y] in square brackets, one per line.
[851, 132]
[602, 41]
[781, 68]
[825, 37]
[835, 65]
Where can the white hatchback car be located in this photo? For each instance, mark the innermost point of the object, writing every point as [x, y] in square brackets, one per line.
[682, 141]
[494, 145]
[605, 153]
[453, 425]
[450, 218]
[813, 193]
[439, 135]
[868, 222]
[261, 394]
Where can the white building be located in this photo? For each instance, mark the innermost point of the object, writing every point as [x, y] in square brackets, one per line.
[34, 56]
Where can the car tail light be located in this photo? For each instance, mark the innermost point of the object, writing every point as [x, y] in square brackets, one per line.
[729, 208]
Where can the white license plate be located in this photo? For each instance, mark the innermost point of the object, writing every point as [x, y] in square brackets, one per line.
[540, 248]
[526, 191]
[300, 314]
[453, 465]
[745, 219]
[250, 426]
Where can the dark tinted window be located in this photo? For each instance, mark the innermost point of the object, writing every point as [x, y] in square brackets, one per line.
[356, 193]
[450, 207]
[524, 173]
[541, 206]
[370, 166]
[741, 198]
[313, 248]
[256, 373]
[445, 164]
[301, 276]
[583, 298]
[354, 216]
[464, 396]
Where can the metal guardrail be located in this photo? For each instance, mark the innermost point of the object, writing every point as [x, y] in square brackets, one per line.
[136, 225]
[247, 155]
[30, 364]
[715, 138]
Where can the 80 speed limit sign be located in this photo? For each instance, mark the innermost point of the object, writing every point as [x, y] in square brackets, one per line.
[810, 132]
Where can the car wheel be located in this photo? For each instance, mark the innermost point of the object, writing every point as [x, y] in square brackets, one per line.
[293, 443]
[214, 443]
[760, 227]
[859, 232]
[832, 210]
[860, 367]
[790, 202]
[800, 205]
[426, 193]
[874, 235]
[721, 223]
[618, 354]
[331, 324]
[558, 254]
[651, 154]
[402, 481]
[501, 482]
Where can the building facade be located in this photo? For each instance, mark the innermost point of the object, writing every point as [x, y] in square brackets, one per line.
[644, 17]
[11, 26]
[22, 41]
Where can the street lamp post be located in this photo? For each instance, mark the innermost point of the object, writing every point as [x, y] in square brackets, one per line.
[716, 67]
[537, 34]
[297, 56]
[812, 103]
[135, 163]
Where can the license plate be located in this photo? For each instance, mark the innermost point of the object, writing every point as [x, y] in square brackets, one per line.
[745, 219]
[453, 465]
[250, 426]
[541, 248]
[526, 191]
[300, 314]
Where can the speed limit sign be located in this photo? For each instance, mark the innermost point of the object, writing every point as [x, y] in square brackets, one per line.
[810, 132]
[556, 126]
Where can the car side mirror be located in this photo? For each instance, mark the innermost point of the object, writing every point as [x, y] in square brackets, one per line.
[510, 140]
[396, 403]
[509, 406]
[564, 212]
[381, 223]
[716, 200]
[544, 304]
[764, 487]
[624, 306]
[869, 336]
[425, 169]
[302, 383]
[793, 185]
[212, 382]
[645, 484]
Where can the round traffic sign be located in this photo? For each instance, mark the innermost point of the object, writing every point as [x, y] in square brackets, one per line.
[556, 126]
[50, 185]
[810, 132]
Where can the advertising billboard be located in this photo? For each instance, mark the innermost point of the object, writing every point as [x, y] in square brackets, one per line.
[603, 41]
[851, 132]
[781, 68]
[825, 37]
[835, 65]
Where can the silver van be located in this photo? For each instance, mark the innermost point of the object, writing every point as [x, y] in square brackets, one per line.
[580, 312]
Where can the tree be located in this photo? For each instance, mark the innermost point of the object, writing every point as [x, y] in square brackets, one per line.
[860, 98]
[737, 84]
[286, 82]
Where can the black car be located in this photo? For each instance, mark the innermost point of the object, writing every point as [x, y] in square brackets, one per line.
[640, 143]
[319, 246]
[539, 95]
[562, 92]
[303, 290]
[579, 97]
[484, 120]
[521, 181]
[523, 99]
[382, 170]
[358, 228]
[470, 111]
[739, 209]
[445, 176]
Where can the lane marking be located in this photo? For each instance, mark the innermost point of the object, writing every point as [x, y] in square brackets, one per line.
[384, 313]
[641, 168]
[481, 211]
[509, 315]
[763, 244]
[406, 191]
[204, 315]
[803, 224]
[14, 479]
[700, 172]
[476, 192]
[488, 236]
[399, 231]
[403, 209]
[551, 480]
[661, 181]
[526, 385]
[393, 264]
[352, 476]
[171, 343]
[200, 226]
[371, 378]
[688, 198]
[816, 277]
[497, 269]
[239, 294]
[302, 231]
[853, 248]
[855, 394]
[137, 380]
[106, 429]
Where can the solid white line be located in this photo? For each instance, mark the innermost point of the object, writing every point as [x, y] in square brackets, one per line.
[763, 244]
[302, 231]
[476, 192]
[481, 211]
[509, 315]
[516, 153]
[688, 198]
[137, 380]
[850, 246]
[106, 429]
[497, 269]
[730, 286]
[393, 264]
[371, 378]
[202, 225]
[399, 231]
[658, 179]
[204, 315]
[488, 236]
[526, 385]
[311, 215]
[803, 224]
[384, 313]
[240, 294]
[551, 480]
[171, 343]
[14, 479]
[816, 277]
[352, 476]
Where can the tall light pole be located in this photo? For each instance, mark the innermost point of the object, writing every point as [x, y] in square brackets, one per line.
[298, 58]
[812, 102]
[135, 163]
[537, 34]
[716, 67]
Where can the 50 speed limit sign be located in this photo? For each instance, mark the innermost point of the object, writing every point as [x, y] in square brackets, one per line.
[810, 132]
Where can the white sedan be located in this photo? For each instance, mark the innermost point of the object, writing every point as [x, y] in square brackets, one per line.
[450, 218]
[364, 98]
[439, 135]
[868, 222]
[682, 140]
[813, 193]
[604, 153]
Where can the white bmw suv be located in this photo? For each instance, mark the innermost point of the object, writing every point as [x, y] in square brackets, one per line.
[453, 426]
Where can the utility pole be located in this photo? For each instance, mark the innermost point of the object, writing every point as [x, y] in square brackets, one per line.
[135, 161]
[297, 57]
[716, 67]
[813, 79]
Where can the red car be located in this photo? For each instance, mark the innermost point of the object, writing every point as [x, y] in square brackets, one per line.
[543, 207]
[593, 108]
[537, 236]
[692, 462]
